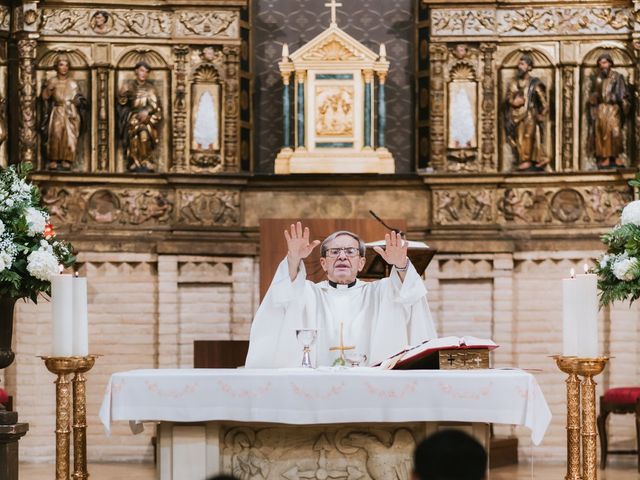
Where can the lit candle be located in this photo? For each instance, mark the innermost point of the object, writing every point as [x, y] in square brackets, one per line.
[588, 331]
[570, 315]
[580, 315]
[285, 51]
[80, 321]
[62, 314]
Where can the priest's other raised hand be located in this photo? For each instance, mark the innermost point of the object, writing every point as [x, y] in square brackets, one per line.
[298, 247]
[395, 252]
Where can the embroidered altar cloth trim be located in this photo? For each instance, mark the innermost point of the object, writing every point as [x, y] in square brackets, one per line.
[308, 397]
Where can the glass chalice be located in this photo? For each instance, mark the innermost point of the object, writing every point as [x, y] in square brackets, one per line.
[306, 337]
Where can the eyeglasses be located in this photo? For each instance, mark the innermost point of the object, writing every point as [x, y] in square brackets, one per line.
[349, 252]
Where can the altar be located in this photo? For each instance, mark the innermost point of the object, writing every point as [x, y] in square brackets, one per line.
[324, 423]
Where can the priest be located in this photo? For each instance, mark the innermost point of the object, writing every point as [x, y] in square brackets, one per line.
[377, 319]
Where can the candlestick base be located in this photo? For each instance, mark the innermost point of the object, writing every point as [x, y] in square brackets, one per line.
[63, 366]
[581, 405]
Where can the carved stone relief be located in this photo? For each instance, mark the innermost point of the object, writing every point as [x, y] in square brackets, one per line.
[356, 452]
[180, 109]
[577, 205]
[531, 21]
[108, 206]
[488, 149]
[437, 106]
[27, 91]
[5, 18]
[568, 88]
[463, 207]
[139, 23]
[218, 208]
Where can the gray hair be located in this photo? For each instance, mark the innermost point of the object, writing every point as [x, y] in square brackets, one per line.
[361, 245]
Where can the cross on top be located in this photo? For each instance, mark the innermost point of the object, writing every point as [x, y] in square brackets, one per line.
[333, 6]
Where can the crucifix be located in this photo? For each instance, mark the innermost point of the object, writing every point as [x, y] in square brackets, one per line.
[341, 360]
[333, 6]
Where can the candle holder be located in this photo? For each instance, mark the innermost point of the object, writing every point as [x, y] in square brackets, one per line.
[581, 404]
[62, 367]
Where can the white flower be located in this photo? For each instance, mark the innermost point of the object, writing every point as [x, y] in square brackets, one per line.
[42, 264]
[36, 221]
[2, 228]
[631, 213]
[604, 261]
[623, 266]
[5, 261]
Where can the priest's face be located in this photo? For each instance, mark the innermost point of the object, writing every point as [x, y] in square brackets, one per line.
[342, 268]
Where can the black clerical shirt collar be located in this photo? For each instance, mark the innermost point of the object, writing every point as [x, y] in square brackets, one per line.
[335, 285]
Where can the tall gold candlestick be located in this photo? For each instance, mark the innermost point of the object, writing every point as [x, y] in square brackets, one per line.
[63, 366]
[569, 365]
[589, 368]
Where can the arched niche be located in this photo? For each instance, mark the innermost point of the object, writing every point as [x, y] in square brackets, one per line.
[207, 117]
[79, 72]
[623, 64]
[463, 112]
[545, 70]
[160, 78]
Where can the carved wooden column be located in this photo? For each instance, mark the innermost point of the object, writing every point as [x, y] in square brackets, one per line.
[102, 78]
[180, 109]
[635, 150]
[27, 128]
[438, 55]
[232, 109]
[488, 150]
[568, 86]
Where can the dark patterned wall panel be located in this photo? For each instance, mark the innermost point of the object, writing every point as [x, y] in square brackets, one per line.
[298, 21]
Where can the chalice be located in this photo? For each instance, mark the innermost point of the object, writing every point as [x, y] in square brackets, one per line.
[306, 336]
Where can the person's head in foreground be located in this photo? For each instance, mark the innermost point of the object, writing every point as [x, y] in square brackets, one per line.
[450, 455]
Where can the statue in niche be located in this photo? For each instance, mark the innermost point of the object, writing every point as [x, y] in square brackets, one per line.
[139, 117]
[63, 107]
[205, 131]
[525, 114]
[100, 22]
[609, 102]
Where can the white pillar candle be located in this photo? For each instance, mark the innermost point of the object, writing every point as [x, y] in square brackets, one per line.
[570, 315]
[588, 331]
[285, 51]
[80, 321]
[62, 315]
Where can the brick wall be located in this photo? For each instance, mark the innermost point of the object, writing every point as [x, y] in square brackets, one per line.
[146, 310]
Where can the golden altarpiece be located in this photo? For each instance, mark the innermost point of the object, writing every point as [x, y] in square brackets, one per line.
[123, 109]
[498, 163]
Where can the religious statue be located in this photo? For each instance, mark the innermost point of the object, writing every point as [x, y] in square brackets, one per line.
[100, 22]
[139, 117]
[525, 110]
[608, 103]
[63, 107]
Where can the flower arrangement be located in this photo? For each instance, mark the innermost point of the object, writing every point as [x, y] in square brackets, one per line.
[30, 255]
[618, 269]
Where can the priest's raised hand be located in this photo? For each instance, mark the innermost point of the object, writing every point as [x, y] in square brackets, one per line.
[395, 252]
[298, 247]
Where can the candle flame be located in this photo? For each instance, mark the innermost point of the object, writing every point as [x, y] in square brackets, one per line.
[586, 268]
[76, 274]
[573, 273]
[61, 269]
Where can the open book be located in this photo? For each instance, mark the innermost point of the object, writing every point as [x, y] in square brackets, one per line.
[419, 253]
[423, 355]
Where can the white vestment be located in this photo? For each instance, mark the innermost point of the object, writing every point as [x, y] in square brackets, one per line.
[379, 318]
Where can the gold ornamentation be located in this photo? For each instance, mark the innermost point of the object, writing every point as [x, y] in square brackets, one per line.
[221, 208]
[437, 106]
[103, 118]
[180, 109]
[207, 24]
[334, 110]
[488, 115]
[121, 22]
[27, 100]
[567, 117]
[63, 366]
[30, 16]
[463, 22]
[231, 160]
[333, 49]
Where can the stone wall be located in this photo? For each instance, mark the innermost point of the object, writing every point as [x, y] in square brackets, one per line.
[145, 311]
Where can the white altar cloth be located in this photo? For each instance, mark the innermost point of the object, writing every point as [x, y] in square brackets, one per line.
[308, 397]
